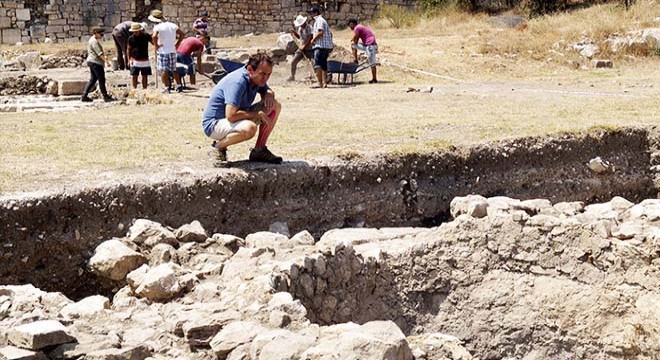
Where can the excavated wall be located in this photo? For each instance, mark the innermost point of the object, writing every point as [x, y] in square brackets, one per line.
[47, 241]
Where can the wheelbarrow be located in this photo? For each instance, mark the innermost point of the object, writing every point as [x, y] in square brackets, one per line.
[227, 67]
[344, 71]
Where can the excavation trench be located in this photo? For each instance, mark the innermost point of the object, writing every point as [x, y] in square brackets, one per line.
[48, 240]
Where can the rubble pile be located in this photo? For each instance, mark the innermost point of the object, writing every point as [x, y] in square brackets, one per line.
[505, 279]
[59, 61]
[27, 85]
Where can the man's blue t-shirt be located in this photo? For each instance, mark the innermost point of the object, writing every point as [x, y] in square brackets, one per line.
[234, 89]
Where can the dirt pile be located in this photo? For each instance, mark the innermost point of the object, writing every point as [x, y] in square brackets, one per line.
[506, 278]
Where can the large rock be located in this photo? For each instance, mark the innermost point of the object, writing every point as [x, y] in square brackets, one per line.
[288, 43]
[199, 332]
[39, 334]
[71, 87]
[132, 353]
[234, 335]
[151, 233]
[113, 260]
[159, 283]
[14, 353]
[29, 60]
[373, 340]
[193, 232]
[86, 307]
[280, 345]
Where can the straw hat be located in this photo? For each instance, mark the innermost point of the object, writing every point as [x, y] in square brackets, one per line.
[156, 16]
[136, 27]
[299, 21]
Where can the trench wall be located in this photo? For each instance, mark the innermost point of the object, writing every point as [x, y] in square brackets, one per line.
[30, 21]
[47, 241]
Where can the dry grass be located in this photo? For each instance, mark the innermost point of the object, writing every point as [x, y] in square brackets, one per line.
[506, 87]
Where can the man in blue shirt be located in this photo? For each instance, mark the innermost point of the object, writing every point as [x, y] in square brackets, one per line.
[231, 117]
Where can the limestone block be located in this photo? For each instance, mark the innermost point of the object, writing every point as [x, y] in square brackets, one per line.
[11, 36]
[71, 87]
[29, 60]
[112, 259]
[193, 232]
[200, 331]
[373, 340]
[233, 336]
[159, 283]
[151, 233]
[5, 22]
[14, 353]
[86, 307]
[23, 14]
[266, 239]
[39, 334]
[38, 31]
[286, 42]
[130, 353]
[280, 345]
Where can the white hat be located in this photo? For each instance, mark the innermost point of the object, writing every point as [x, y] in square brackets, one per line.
[299, 20]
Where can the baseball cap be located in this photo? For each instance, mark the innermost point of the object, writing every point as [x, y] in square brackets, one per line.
[314, 9]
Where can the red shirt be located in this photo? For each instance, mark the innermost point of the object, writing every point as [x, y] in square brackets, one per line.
[190, 45]
[365, 34]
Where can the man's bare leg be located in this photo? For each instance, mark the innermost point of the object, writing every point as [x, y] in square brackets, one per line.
[242, 133]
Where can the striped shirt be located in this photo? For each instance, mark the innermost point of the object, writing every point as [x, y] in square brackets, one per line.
[325, 41]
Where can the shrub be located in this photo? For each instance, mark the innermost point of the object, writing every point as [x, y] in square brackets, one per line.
[398, 16]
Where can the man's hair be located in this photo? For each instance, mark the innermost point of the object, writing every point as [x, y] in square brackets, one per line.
[352, 21]
[257, 58]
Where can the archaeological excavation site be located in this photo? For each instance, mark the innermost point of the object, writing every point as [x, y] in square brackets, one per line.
[532, 248]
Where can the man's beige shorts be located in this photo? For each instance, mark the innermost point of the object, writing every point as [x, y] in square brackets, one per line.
[223, 127]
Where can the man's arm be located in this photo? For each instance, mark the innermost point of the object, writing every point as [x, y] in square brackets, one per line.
[355, 38]
[154, 40]
[233, 114]
[179, 37]
[199, 61]
[319, 35]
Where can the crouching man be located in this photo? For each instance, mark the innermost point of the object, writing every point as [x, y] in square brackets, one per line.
[231, 118]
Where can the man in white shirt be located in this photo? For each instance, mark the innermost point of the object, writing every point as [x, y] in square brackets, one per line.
[166, 38]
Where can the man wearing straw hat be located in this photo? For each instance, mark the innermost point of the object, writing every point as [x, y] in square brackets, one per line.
[302, 32]
[138, 50]
[96, 61]
[166, 38]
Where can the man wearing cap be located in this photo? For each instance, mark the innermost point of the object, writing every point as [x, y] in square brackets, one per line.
[201, 24]
[184, 55]
[96, 61]
[322, 45]
[120, 35]
[138, 50]
[368, 45]
[166, 38]
[231, 117]
[302, 32]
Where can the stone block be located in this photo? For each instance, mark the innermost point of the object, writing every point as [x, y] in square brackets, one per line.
[38, 31]
[599, 63]
[71, 87]
[14, 353]
[39, 334]
[5, 22]
[23, 14]
[11, 36]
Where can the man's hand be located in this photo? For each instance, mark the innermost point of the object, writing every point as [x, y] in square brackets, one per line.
[269, 101]
[261, 115]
